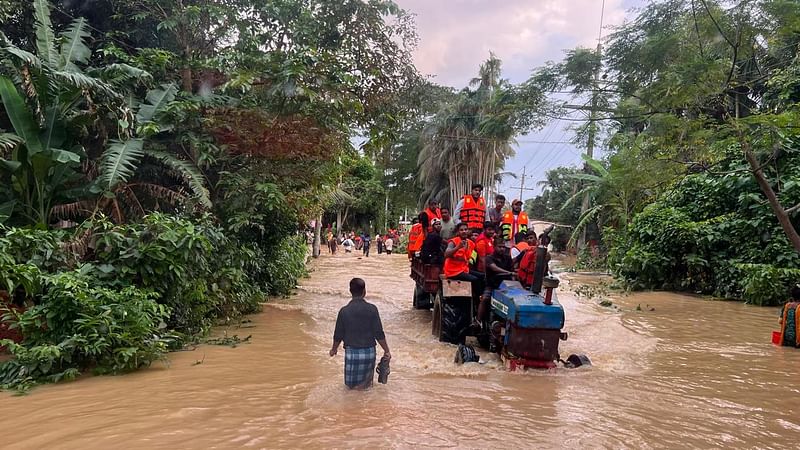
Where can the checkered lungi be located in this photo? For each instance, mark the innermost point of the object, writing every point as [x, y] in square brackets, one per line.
[359, 365]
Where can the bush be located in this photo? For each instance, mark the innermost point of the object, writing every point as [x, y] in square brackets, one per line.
[286, 264]
[712, 234]
[78, 327]
[197, 271]
[140, 288]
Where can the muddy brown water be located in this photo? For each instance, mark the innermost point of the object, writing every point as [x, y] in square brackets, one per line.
[690, 373]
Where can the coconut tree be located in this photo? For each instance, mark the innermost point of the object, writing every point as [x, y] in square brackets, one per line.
[469, 140]
[615, 193]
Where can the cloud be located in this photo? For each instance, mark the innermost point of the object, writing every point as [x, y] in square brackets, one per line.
[457, 35]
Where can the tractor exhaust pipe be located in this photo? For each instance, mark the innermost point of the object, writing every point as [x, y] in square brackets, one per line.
[541, 260]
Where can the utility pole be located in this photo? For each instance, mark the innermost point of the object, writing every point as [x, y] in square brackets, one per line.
[521, 186]
[591, 135]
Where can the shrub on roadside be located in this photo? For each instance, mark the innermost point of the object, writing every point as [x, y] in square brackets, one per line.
[714, 235]
[78, 326]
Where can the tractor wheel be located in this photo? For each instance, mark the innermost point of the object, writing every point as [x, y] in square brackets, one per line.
[578, 360]
[436, 322]
[455, 319]
[465, 354]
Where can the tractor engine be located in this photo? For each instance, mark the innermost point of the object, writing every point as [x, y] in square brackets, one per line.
[527, 329]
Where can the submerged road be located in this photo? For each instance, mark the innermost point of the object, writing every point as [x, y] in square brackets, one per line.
[682, 372]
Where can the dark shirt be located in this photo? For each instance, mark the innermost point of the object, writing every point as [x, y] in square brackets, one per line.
[494, 216]
[433, 249]
[367, 240]
[493, 279]
[358, 324]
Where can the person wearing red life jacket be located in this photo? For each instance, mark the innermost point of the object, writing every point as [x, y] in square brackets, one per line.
[431, 212]
[527, 264]
[484, 246]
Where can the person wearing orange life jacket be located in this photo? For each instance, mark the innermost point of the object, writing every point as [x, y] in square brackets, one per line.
[431, 212]
[523, 242]
[416, 236]
[471, 209]
[514, 221]
[458, 256]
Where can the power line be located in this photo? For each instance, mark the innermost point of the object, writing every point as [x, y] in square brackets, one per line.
[86, 24]
[480, 139]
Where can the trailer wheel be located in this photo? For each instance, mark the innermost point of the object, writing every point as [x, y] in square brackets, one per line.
[422, 299]
[455, 319]
[436, 322]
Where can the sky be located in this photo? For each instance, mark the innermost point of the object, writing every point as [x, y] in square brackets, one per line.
[456, 36]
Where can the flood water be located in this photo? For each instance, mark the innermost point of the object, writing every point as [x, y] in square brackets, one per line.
[689, 373]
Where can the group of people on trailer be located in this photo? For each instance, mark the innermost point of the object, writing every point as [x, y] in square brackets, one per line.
[486, 245]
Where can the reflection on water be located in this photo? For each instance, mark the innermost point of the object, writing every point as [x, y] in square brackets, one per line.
[690, 373]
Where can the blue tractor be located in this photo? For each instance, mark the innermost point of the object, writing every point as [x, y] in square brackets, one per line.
[525, 325]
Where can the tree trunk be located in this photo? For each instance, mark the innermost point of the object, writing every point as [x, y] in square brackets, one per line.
[315, 247]
[339, 223]
[780, 213]
[346, 213]
[186, 78]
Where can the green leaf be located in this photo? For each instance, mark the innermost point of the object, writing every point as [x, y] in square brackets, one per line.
[6, 209]
[9, 140]
[73, 48]
[26, 57]
[119, 161]
[45, 39]
[10, 166]
[188, 172]
[595, 164]
[156, 101]
[82, 81]
[21, 117]
[64, 156]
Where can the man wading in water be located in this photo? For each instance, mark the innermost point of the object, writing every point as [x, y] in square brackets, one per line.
[359, 326]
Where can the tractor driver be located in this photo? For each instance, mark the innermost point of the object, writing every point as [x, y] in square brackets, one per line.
[499, 267]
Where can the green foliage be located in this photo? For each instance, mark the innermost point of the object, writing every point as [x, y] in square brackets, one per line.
[258, 217]
[712, 234]
[78, 327]
[470, 137]
[174, 258]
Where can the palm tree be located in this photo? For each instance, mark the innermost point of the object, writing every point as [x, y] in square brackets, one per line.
[615, 194]
[469, 140]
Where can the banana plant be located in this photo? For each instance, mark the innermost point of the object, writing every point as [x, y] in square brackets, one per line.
[45, 100]
[51, 99]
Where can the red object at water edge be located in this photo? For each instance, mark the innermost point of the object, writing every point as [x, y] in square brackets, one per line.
[776, 337]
